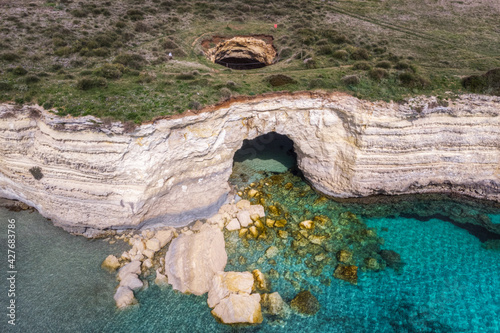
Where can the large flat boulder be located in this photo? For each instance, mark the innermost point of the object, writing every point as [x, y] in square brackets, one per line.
[192, 260]
[225, 283]
[239, 308]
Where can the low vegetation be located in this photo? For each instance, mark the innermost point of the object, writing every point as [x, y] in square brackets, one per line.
[111, 58]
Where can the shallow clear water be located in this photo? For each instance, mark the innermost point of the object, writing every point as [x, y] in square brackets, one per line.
[449, 282]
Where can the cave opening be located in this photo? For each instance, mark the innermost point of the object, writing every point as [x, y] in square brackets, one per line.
[240, 52]
[240, 63]
[264, 156]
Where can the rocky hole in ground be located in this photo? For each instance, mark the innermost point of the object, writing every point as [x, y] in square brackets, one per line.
[241, 52]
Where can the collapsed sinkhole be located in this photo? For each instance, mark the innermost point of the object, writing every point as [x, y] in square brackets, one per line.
[268, 154]
[241, 52]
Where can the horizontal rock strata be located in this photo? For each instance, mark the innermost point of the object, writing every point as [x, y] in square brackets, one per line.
[89, 176]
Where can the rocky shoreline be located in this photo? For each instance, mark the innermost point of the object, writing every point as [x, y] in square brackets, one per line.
[194, 263]
[89, 177]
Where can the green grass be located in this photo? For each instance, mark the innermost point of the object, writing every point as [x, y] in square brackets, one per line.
[109, 59]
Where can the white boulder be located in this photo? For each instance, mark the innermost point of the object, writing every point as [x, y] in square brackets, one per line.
[234, 224]
[244, 218]
[239, 308]
[192, 260]
[133, 267]
[124, 297]
[225, 283]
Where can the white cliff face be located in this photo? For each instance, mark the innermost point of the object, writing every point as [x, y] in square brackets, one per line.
[175, 170]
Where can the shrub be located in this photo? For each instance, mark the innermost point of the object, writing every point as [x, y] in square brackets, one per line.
[225, 93]
[132, 60]
[310, 63]
[19, 71]
[79, 13]
[63, 51]
[341, 54]
[194, 105]
[5, 86]
[31, 79]
[384, 64]
[9, 56]
[402, 65]
[316, 83]
[285, 52]
[36, 172]
[185, 76]
[360, 54]
[278, 80]
[362, 65]
[412, 80]
[110, 71]
[99, 52]
[141, 27]
[129, 126]
[474, 83]
[89, 83]
[378, 74]
[350, 80]
[135, 14]
[325, 50]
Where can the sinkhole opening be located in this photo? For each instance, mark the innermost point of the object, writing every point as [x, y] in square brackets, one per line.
[268, 154]
[240, 52]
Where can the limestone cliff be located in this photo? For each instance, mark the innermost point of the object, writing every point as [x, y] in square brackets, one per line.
[176, 169]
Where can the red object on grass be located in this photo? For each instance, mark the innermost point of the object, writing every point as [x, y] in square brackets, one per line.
[275, 26]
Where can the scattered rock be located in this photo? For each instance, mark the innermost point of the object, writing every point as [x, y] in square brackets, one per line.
[392, 259]
[253, 231]
[260, 280]
[131, 281]
[226, 283]
[347, 273]
[153, 244]
[272, 251]
[197, 225]
[149, 253]
[161, 280]
[307, 225]
[344, 256]
[242, 232]
[372, 263]
[257, 210]
[238, 308]
[133, 267]
[164, 236]
[243, 204]
[280, 223]
[274, 304]
[233, 225]
[110, 263]
[270, 223]
[315, 239]
[305, 303]
[252, 193]
[244, 218]
[192, 260]
[283, 234]
[124, 297]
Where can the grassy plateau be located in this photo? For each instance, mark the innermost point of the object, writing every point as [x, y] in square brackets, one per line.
[110, 58]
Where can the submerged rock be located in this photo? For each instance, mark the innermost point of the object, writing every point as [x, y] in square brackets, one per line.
[274, 304]
[260, 280]
[192, 260]
[305, 303]
[239, 308]
[347, 273]
[225, 283]
[392, 259]
[344, 256]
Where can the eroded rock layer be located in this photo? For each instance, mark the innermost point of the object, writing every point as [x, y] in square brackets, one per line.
[175, 170]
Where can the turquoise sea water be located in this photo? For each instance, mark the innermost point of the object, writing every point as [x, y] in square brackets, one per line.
[449, 281]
